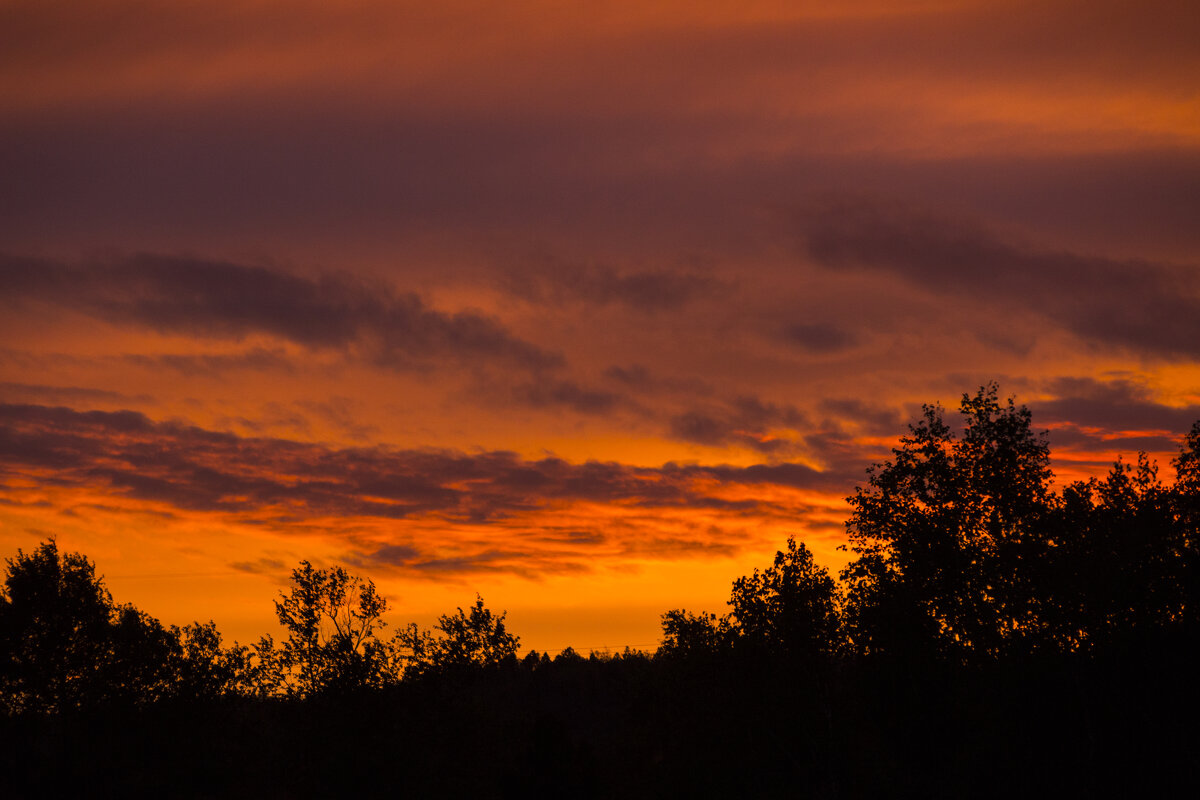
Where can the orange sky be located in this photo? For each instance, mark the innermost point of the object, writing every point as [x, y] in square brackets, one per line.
[584, 310]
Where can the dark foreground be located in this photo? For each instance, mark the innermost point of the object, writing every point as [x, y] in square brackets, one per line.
[638, 727]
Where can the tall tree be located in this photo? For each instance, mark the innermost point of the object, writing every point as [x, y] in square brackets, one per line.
[332, 619]
[65, 645]
[55, 630]
[943, 531]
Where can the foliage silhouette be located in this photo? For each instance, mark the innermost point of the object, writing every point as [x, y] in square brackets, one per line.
[688, 636]
[66, 646]
[1121, 559]
[332, 618]
[792, 609]
[203, 669]
[1185, 501]
[56, 624]
[964, 551]
[463, 641]
[942, 530]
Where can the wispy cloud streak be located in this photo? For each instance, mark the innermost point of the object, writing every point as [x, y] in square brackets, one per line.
[223, 300]
[289, 484]
[1146, 307]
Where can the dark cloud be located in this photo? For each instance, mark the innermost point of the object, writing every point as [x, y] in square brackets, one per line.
[876, 420]
[217, 365]
[635, 375]
[652, 126]
[567, 395]
[568, 552]
[65, 394]
[222, 300]
[1150, 308]
[642, 380]
[550, 281]
[304, 180]
[1105, 415]
[820, 337]
[680, 546]
[1080, 440]
[194, 469]
[526, 564]
[342, 414]
[799, 476]
[26, 504]
[271, 416]
[564, 552]
[572, 536]
[746, 421]
[262, 566]
[394, 554]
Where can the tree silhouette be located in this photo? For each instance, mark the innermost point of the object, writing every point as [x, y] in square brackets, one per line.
[65, 645]
[1121, 558]
[963, 549]
[203, 669]
[332, 618]
[55, 624]
[687, 635]
[792, 608]
[1185, 499]
[942, 533]
[463, 641]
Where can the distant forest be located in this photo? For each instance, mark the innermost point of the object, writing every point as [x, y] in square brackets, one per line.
[991, 634]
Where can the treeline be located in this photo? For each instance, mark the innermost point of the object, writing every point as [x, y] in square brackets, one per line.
[67, 647]
[964, 552]
[991, 634]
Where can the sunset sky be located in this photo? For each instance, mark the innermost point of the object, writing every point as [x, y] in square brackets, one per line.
[582, 307]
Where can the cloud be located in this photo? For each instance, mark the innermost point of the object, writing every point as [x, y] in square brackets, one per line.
[746, 421]
[549, 281]
[639, 378]
[820, 337]
[1103, 415]
[620, 125]
[223, 300]
[1146, 307]
[188, 468]
[342, 414]
[567, 394]
[398, 554]
[520, 562]
[423, 512]
[68, 394]
[216, 365]
[872, 419]
[262, 566]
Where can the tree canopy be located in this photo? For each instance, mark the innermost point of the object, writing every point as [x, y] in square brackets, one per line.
[964, 548]
[464, 640]
[942, 531]
[791, 609]
[332, 619]
[66, 646]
